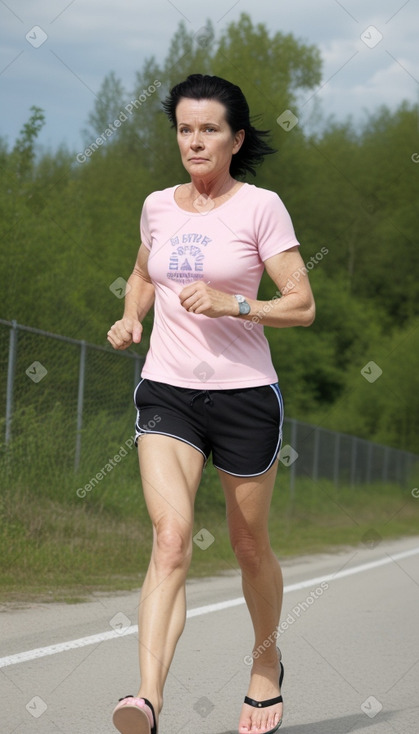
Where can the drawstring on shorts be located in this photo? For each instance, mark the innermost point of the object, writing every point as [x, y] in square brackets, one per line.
[205, 394]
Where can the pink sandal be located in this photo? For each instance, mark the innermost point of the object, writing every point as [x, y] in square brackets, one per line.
[130, 716]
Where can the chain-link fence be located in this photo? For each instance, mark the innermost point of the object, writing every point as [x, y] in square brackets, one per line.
[317, 453]
[65, 387]
[76, 392]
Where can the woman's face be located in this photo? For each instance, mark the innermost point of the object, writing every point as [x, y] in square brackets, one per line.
[206, 141]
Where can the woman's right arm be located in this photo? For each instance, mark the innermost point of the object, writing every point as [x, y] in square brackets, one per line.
[139, 299]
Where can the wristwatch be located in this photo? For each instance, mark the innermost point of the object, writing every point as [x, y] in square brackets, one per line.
[244, 307]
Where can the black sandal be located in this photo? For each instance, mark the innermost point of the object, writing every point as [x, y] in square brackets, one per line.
[128, 715]
[269, 701]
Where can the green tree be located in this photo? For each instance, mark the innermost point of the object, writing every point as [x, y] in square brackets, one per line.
[313, 364]
[109, 104]
[389, 180]
[381, 402]
[23, 154]
[364, 184]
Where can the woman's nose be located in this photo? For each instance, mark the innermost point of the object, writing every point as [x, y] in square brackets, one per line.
[196, 140]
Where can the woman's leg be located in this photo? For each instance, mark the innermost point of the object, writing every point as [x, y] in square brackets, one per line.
[170, 472]
[248, 501]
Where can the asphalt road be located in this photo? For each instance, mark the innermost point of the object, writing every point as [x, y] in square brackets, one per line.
[349, 636]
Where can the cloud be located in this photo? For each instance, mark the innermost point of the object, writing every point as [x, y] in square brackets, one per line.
[86, 40]
[396, 79]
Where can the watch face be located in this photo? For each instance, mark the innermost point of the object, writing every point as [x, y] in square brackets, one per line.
[244, 308]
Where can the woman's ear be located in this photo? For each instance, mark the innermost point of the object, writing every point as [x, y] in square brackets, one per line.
[238, 140]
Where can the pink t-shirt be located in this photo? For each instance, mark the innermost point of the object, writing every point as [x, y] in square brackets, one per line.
[226, 247]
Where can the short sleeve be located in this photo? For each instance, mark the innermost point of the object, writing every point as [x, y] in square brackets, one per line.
[144, 226]
[275, 230]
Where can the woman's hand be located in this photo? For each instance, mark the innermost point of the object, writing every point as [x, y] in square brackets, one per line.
[199, 298]
[124, 332]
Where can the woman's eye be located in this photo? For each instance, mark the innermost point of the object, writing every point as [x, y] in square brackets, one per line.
[186, 130]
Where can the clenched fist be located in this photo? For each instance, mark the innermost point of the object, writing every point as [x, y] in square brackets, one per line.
[198, 298]
[124, 332]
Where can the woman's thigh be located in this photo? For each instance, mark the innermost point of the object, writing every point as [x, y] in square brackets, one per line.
[248, 501]
[170, 471]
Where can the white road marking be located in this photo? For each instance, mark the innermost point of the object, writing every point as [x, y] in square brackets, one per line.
[40, 652]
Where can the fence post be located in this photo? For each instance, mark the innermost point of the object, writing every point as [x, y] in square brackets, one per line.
[399, 468]
[385, 465]
[369, 463]
[336, 460]
[11, 367]
[315, 470]
[80, 397]
[404, 469]
[353, 460]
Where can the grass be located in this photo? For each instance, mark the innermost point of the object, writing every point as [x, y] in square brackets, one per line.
[56, 546]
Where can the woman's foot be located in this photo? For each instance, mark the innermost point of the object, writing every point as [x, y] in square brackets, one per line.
[134, 715]
[258, 717]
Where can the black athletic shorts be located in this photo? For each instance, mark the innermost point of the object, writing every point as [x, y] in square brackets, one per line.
[241, 427]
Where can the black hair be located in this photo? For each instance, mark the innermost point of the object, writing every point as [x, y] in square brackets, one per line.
[202, 86]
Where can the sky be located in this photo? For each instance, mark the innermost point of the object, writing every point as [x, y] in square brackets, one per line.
[56, 53]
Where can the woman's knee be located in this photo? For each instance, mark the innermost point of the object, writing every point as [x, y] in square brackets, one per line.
[172, 547]
[250, 551]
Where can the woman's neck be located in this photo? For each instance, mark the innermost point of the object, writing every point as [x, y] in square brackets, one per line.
[214, 188]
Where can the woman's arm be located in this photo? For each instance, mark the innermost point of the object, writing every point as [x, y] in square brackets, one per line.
[139, 298]
[291, 305]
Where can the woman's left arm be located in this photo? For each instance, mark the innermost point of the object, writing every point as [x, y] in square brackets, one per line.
[291, 305]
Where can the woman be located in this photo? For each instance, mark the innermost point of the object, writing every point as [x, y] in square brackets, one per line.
[208, 384]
